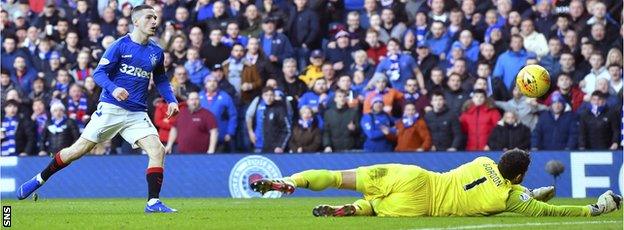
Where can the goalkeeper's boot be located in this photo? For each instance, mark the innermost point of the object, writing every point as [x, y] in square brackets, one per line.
[264, 185]
[158, 206]
[29, 187]
[543, 194]
[328, 210]
[607, 202]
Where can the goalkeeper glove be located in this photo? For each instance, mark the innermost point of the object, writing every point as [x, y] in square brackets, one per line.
[543, 194]
[607, 202]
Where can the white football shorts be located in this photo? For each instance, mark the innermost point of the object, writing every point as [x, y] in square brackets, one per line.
[109, 119]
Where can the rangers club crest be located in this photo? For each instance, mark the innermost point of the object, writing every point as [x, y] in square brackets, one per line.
[248, 170]
[153, 59]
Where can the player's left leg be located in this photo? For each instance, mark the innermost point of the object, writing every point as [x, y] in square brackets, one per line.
[154, 175]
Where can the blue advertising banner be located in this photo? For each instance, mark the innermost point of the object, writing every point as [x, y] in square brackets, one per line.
[587, 174]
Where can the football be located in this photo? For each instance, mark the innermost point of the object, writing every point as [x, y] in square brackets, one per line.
[533, 81]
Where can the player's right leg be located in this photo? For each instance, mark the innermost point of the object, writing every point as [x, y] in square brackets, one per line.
[60, 161]
[315, 180]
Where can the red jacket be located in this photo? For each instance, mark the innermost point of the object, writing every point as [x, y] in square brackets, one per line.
[162, 123]
[477, 122]
[376, 53]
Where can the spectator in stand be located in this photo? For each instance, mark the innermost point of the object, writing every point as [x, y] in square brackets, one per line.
[306, 135]
[195, 68]
[341, 130]
[599, 127]
[177, 48]
[122, 28]
[583, 59]
[598, 70]
[194, 130]
[341, 53]
[233, 68]
[614, 56]
[412, 96]
[214, 52]
[313, 70]
[275, 44]
[438, 40]
[602, 85]
[23, 75]
[276, 128]
[389, 23]
[344, 83]
[222, 106]
[292, 85]
[361, 62]
[599, 39]
[566, 65]
[82, 69]
[39, 118]
[196, 38]
[443, 125]
[437, 80]
[39, 91]
[378, 127]
[256, 57]
[182, 84]
[220, 17]
[615, 71]
[425, 60]
[469, 45]
[59, 131]
[478, 119]
[376, 49]
[509, 134]
[378, 87]
[550, 61]
[232, 36]
[495, 87]
[412, 131]
[303, 29]
[399, 67]
[6, 84]
[572, 94]
[455, 95]
[10, 51]
[542, 15]
[250, 22]
[71, 48]
[61, 84]
[510, 62]
[162, 122]
[77, 105]
[525, 109]
[556, 128]
[17, 134]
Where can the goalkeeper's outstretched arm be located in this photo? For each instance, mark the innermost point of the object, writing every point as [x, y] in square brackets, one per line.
[521, 203]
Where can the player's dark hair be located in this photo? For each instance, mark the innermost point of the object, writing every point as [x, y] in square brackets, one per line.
[141, 7]
[513, 163]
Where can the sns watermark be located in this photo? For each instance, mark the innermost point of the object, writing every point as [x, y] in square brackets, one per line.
[6, 216]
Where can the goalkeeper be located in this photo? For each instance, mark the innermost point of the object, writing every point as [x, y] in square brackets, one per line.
[477, 188]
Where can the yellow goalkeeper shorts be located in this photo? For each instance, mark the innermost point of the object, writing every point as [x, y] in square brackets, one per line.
[395, 189]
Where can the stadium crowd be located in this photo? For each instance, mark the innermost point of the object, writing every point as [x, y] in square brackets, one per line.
[325, 75]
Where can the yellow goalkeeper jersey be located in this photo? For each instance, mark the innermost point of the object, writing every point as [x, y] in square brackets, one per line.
[474, 188]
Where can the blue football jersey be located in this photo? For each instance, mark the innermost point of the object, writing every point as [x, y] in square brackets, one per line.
[130, 65]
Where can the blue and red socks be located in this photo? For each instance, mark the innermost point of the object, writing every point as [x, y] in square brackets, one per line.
[55, 165]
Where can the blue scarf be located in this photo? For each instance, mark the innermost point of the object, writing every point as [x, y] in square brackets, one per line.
[58, 125]
[9, 125]
[306, 123]
[75, 106]
[41, 120]
[393, 72]
[411, 96]
[62, 87]
[409, 121]
[193, 66]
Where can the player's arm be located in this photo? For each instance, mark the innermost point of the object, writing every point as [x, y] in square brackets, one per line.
[107, 64]
[164, 87]
[521, 203]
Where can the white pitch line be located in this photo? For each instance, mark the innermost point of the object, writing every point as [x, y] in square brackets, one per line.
[481, 226]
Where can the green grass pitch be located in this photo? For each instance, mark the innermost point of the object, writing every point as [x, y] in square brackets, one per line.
[285, 213]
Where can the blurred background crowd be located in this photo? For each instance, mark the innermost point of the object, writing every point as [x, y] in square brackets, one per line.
[325, 75]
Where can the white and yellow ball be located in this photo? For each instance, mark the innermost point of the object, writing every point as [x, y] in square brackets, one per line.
[533, 81]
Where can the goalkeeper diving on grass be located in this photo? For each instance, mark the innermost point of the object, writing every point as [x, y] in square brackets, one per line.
[481, 187]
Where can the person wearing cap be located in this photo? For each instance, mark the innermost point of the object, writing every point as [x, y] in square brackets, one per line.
[303, 29]
[313, 71]
[341, 56]
[59, 131]
[378, 127]
[557, 128]
[217, 72]
[599, 127]
[221, 104]
[378, 87]
[274, 44]
[425, 60]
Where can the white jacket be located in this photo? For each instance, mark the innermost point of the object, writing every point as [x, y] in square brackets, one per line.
[536, 43]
